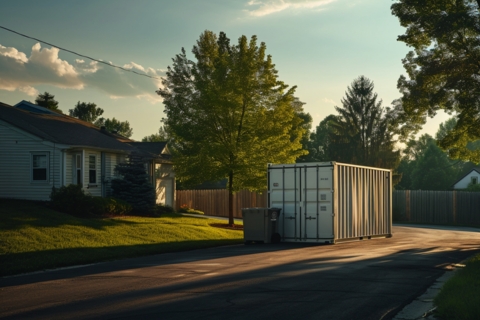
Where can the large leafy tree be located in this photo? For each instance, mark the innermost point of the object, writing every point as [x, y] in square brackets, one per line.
[363, 132]
[433, 170]
[86, 111]
[48, 101]
[443, 68]
[161, 136]
[115, 126]
[318, 145]
[229, 115]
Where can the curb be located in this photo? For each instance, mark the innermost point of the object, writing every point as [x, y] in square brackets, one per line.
[423, 307]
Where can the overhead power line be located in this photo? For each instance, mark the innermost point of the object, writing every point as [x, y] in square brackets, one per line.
[81, 55]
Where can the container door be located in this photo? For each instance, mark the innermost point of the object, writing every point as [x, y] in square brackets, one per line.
[305, 195]
[284, 192]
[317, 196]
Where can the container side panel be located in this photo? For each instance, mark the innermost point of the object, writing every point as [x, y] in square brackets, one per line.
[363, 202]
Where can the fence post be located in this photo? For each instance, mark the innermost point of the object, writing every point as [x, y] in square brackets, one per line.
[407, 204]
[454, 195]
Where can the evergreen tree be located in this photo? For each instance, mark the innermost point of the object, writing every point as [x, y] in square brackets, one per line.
[134, 187]
[363, 132]
[48, 101]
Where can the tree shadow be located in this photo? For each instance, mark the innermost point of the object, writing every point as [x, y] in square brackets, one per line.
[327, 285]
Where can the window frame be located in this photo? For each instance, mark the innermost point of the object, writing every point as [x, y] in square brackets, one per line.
[474, 180]
[46, 154]
[90, 170]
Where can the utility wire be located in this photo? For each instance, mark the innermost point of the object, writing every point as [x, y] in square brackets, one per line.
[81, 55]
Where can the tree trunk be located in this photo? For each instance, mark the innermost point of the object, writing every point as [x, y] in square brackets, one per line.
[230, 198]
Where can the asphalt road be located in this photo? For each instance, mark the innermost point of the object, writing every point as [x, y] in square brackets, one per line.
[369, 279]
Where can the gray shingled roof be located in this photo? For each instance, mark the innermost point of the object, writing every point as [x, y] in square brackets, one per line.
[63, 129]
[152, 150]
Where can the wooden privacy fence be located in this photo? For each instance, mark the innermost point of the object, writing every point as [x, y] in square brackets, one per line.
[443, 207]
[215, 202]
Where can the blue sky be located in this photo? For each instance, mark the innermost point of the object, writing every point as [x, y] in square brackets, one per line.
[320, 46]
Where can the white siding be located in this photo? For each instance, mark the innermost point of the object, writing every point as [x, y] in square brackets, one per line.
[16, 149]
[463, 184]
[68, 169]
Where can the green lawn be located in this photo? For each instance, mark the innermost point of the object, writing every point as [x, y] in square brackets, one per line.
[34, 237]
[459, 298]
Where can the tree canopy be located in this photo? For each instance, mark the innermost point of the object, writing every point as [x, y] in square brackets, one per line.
[229, 115]
[318, 145]
[115, 126]
[363, 131]
[161, 136]
[48, 101]
[443, 68]
[86, 111]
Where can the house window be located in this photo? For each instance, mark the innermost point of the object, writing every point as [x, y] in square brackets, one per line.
[40, 167]
[78, 169]
[92, 169]
[474, 180]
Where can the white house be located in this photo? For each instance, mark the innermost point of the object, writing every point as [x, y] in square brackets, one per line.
[41, 149]
[472, 177]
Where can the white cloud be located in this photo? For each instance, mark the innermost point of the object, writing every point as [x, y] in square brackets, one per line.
[329, 101]
[133, 65]
[31, 91]
[17, 72]
[42, 67]
[13, 53]
[260, 8]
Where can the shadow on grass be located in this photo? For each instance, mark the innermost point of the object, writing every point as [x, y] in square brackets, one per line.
[18, 214]
[17, 263]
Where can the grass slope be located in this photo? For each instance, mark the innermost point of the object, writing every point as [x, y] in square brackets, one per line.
[34, 237]
[459, 298]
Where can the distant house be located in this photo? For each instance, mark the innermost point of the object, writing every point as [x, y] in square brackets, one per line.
[41, 149]
[472, 177]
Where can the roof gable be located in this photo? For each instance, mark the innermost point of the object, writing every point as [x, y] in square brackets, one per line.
[468, 173]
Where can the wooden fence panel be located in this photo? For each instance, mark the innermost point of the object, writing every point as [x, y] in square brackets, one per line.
[437, 207]
[215, 202]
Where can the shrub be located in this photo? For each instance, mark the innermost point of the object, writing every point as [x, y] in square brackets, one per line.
[109, 206]
[71, 199]
[164, 209]
[185, 209]
[473, 187]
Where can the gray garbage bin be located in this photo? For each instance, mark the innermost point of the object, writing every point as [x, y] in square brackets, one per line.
[260, 225]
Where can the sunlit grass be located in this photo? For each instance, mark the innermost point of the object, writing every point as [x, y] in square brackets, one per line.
[34, 237]
[459, 298]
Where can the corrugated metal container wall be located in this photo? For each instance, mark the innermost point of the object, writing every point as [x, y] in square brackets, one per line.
[330, 202]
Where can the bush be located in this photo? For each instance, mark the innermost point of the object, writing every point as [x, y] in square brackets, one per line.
[109, 206]
[71, 199]
[473, 187]
[185, 209]
[164, 209]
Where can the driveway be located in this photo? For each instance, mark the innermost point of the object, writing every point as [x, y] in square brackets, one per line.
[370, 279]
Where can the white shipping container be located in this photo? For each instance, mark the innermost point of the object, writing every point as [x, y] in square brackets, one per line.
[328, 202]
